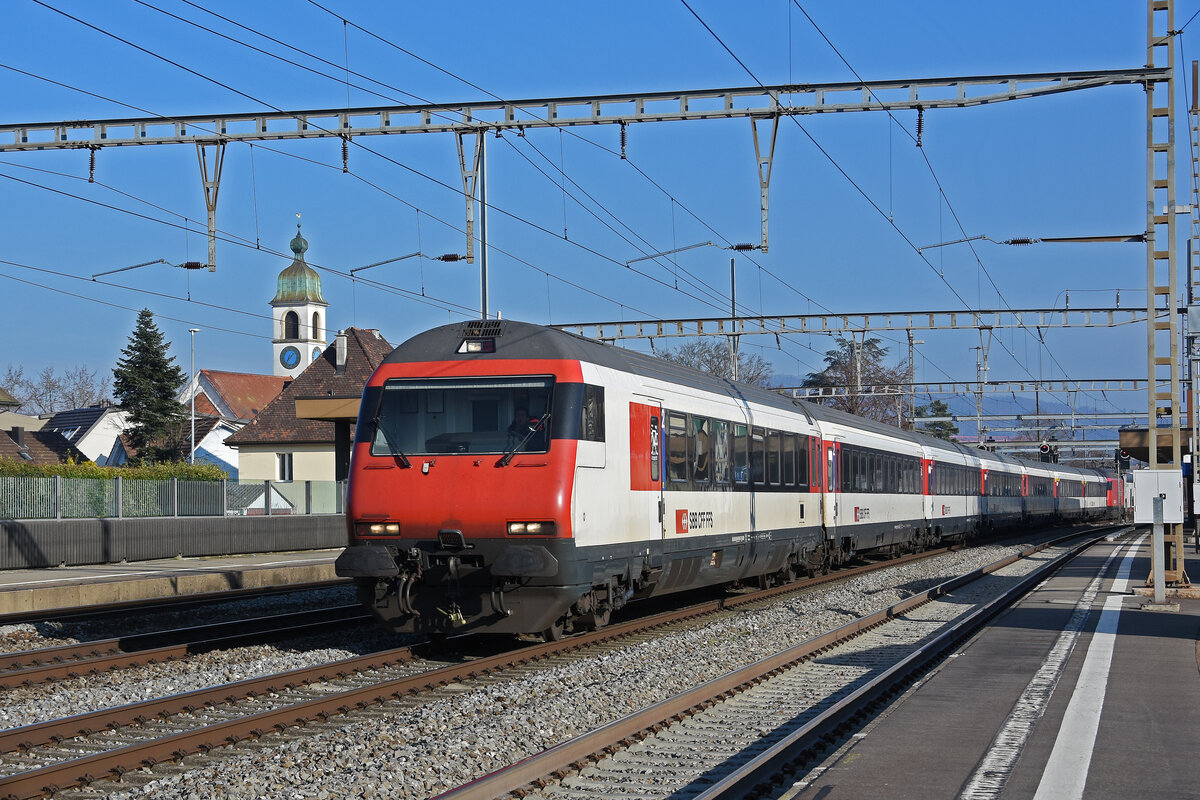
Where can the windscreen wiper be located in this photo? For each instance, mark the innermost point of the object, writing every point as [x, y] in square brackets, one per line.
[395, 452]
[535, 425]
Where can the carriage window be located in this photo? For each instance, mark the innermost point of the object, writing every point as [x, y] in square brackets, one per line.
[676, 446]
[758, 456]
[802, 461]
[591, 427]
[741, 454]
[773, 458]
[789, 459]
[655, 438]
[720, 452]
[699, 446]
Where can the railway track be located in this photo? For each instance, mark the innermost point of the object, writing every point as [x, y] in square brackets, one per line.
[43, 759]
[30, 667]
[734, 736]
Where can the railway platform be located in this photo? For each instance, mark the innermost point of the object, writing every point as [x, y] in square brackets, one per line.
[1083, 690]
[28, 591]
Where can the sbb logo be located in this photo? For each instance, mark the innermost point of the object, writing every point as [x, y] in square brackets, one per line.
[681, 520]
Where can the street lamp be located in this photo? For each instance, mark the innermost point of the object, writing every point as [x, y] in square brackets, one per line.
[193, 332]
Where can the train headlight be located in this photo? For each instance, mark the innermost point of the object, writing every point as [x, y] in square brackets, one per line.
[531, 528]
[379, 529]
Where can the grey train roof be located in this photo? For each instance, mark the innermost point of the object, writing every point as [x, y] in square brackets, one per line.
[523, 340]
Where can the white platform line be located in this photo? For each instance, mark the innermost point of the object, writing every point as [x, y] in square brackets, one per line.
[1066, 771]
[992, 774]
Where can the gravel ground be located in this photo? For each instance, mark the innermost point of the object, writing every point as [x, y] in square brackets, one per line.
[419, 748]
[27, 705]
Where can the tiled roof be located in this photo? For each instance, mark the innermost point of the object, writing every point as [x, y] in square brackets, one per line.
[365, 350]
[42, 447]
[81, 419]
[246, 395]
[7, 399]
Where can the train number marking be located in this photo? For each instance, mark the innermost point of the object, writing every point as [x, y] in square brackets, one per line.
[861, 513]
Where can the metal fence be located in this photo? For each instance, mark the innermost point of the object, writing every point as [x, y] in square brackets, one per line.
[27, 498]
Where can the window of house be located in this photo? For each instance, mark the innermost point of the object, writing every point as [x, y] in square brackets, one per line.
[283, 466]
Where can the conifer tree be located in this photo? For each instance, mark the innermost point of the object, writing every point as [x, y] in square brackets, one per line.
[145, 383]
[942, 430]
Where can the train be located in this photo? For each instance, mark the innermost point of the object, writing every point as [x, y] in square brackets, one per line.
[508, 477]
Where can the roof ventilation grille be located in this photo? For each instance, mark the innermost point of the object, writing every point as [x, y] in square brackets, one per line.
[482, 327]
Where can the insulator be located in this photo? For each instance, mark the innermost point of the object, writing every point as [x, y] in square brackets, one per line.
[92, 166]
[345, 154]
[920, 124]
[193, 265]
[450, 257]
[521, 132]
[1021, 241]
[623, 140]
[742, 247]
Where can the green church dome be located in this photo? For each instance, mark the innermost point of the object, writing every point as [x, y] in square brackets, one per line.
[299, 283]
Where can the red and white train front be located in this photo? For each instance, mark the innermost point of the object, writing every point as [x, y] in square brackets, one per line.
[461, 478]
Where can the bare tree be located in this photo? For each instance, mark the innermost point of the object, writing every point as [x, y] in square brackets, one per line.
[15, 383]
[80, 388]
[711, 355]
[859, 366]
[48, 393]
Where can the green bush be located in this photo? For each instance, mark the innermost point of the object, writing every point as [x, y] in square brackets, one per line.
[12, 468]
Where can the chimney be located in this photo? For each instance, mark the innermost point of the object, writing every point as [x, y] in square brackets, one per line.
[340, 359]
[18, 436]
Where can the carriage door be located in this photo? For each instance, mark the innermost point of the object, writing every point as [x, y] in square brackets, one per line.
[831, 480]
[645, 464]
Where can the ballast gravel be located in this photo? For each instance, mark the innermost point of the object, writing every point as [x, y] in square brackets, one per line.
[417, 748]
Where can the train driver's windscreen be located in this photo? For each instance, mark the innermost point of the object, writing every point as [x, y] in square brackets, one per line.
[463, 415]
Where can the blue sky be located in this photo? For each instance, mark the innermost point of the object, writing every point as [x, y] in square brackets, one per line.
[1059, 166]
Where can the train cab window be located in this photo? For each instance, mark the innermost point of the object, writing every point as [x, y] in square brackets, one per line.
[773, 458]
[699, 449]
[458, 415]
[741, 454]
[677, 447]
[721, 453]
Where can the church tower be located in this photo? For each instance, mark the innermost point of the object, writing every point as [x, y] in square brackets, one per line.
[298, 314]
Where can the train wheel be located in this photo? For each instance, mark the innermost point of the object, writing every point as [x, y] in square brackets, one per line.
[599, 618]
[765, 581]
[555, 632]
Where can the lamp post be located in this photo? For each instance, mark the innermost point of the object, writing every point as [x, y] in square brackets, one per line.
[193, 332]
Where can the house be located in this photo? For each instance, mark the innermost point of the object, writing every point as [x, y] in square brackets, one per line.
[38, 447]
[277, 445]
[236, 397]
[211, 433]
[92, 430]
